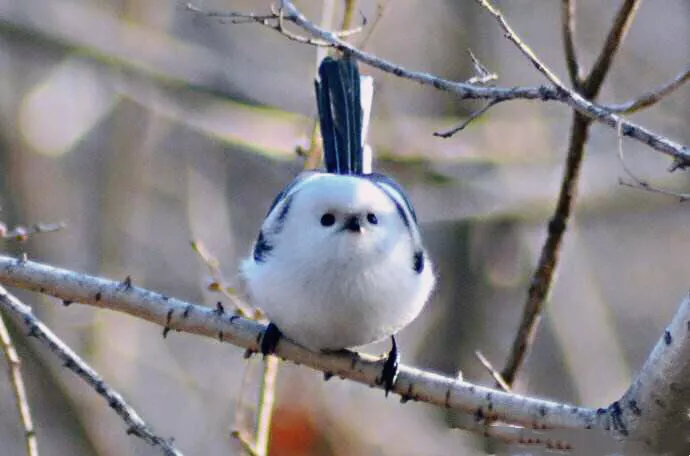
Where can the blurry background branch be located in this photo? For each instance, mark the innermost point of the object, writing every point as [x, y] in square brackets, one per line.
[135, 424]
[543, 277]
[15, 373]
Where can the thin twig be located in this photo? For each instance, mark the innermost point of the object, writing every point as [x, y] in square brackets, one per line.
[412, 384]
[494, 373]
[620, 27]
[482, 73]
[466, 122]
[526, 50]
[266, 401]
[245, 441]
[640, 183]
[19, 389]
[542, 279]
[652, 97]
[219, 284]
[680, 153]
[240, 432]
[135, 424]
[381, 6]
[257, 446]
[568, 32]
[274, 21]
[22, 233]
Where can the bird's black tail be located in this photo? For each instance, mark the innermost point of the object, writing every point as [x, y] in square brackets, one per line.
[340, 112]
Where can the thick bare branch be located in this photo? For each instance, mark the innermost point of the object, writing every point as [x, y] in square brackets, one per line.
[653, 412]
[135, 424]
[412, 384]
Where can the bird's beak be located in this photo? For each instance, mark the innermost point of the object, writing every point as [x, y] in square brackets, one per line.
[353, 224]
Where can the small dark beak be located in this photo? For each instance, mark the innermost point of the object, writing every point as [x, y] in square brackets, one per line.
[353, 224]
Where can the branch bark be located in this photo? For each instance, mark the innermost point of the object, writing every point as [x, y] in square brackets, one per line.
[542, 279]
[412, 384]
[680, 153]
[135, 424]
[653, 406]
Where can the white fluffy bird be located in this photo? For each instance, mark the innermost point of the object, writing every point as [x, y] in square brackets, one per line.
[339, 260]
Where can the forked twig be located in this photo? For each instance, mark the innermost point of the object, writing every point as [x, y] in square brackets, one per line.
[640, 183]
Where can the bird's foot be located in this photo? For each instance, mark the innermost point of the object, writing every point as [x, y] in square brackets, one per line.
[389, 374]
[270, 339]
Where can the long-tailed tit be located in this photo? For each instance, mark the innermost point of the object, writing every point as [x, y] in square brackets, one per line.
[339, 261]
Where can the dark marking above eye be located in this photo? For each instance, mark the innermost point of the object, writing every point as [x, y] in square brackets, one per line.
[327, 219]
[285, 209]
[262, 248]
[418, 262]
[371, 218]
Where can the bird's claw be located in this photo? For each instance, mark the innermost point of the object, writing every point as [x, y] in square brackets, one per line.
[270, 339]
[389, 374]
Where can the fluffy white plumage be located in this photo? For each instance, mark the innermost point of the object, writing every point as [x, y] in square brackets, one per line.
[333, 287]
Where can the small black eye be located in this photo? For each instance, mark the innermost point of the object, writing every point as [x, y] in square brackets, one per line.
[371, 218]
[327, 219]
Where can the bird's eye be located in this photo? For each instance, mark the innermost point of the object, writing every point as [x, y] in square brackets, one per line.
[327, 219]
[371, 218]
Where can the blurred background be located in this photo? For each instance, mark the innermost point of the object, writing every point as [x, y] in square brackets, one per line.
[143, 126]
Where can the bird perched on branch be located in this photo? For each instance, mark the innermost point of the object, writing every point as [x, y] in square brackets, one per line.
[339, 260]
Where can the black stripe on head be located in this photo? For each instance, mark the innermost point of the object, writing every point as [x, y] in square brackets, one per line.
[418, 262]
[396, 193]
[282, 215]
[261, 248]
[380, 180]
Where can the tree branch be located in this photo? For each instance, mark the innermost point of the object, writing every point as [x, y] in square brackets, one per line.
[679, 152]
[542, 279]
[621, 25]
[652, 97]
[18, 388]
[568, 32]
[37, 329]
[412, 384]
[654, 409]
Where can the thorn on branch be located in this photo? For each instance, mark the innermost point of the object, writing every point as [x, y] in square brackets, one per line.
[127, 283]
[166, 327]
